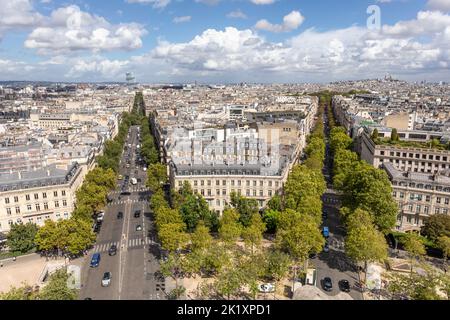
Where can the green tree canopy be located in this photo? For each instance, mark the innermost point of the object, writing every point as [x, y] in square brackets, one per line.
[229, 227]
[21, 237]
[435, 226]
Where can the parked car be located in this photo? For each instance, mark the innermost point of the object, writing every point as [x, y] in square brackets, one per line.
[327, 284]
[138, 227]
[326, 232]
[106, 280]
[97, 227]
[112, 250]
[326, 247]
[344, 285]
[137, 213]
[266, 288]
[120, 215]
[95, 260]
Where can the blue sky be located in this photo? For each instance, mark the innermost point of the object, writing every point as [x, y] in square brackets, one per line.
[321, 40]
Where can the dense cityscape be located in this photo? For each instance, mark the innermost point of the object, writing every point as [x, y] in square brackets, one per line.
[336, 191]
[183, 153]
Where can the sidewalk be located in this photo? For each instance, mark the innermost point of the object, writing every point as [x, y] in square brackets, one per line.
[27, 269]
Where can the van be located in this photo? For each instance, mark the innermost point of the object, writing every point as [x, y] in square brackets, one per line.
[95, 261]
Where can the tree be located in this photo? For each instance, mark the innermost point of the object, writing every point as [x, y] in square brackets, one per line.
[82, 212]
[275, 203]
[370, 189]
[92, 196]
[103, 178]
[57, 288]
[245, 207]
[415, 247]
[344, 163]
[229, 282]
[78, 234]
[271, 219]
[201, 240]
[157, 176]
[278, 265]
[364, 243]
[47, 237]
[435, 226]
[21, 237]
[339, 140]
[21, 293]
[172, 236]
[229, 227]
[394, 135]
[172, 268]
[253, 234]
[299, 236]
[165, 216]
[195, 209]
[444, 245]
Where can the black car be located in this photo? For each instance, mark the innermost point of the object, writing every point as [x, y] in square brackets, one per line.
[324, 216]
[327, 284]
[97, 228]
[120, 215]
[344, 285]
[125, 193]
[112, 250]
[137, 213]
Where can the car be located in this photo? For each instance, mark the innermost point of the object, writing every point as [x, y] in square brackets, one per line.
[313, 255]
[95, 260]
[100, 216]
[112, 250]
[137, 213]
[120, 215]
[109, 199]
[326, 247]
[344, 285]
[106, 280]
[326, 232]
[120, 177]
[324, 215]
[327, 284]
[145, 168]
[97, 227]
[266, 288]
[138, 227]
[125, 193]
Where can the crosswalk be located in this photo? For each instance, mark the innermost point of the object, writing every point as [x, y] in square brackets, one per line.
[114, 203]
[134, 189]
[131, 243]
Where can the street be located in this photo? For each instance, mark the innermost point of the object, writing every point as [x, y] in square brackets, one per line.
[134, 265]
[334, 264]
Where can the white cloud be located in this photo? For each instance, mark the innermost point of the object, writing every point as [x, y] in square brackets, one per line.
[290, 22]
[259, 2]
[155, 3]
[238, 14]
[17, 14]
[442, 5]
[182, 19]
[70, 29]
[97, 66]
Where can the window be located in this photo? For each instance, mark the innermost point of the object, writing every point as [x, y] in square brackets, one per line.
[36, 196]
[261, 183]
[224, 182]
[248, 183]
[261, 193]
[55, 193]
[64, 203]
[202, 183]
[254, 183]
[270, 193]
[427, 198]
[410, 207]
[45, 205]
[444, 211]
[27, 197]
[426, 209]
[247, 193]
[447, 201]
[436, 211]
[8, 211]
[270, 183]
[254, 193]
[195, 183]
[209, 192]
[232, 183]
[16, 199]
[218, 192]
[218, 203]
[418, 208]
[56, 204]
[416, 220]
[17, 210]
[38, 207]
[402, 195]
[217, 182]
[209, 182]
[180, 183]
[438, 200]
[7, 200]
[394, 194]
[408, 219]
[29, 207]
[63, 193]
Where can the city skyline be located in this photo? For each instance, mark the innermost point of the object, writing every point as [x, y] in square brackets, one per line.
[238, 41]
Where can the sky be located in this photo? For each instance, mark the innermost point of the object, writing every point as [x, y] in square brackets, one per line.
[224, 41]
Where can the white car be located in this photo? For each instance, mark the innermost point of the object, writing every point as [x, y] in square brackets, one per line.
[266, 288]
[106, 280]
[144, 168]
[100, 216]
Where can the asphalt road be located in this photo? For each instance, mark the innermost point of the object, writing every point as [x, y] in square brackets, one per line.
[334, 264]
[134, 265]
